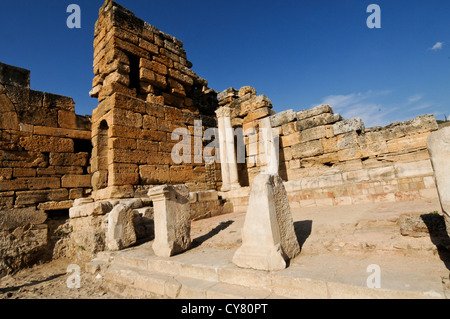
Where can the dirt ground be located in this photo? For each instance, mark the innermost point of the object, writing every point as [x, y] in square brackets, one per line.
[49, 281]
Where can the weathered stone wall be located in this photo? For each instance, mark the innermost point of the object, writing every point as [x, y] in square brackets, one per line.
[44, 165]
[327, 160]
[146, 90]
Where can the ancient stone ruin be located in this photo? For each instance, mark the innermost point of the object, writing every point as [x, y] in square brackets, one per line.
[268, 236]
[439, 148]
[73, 185]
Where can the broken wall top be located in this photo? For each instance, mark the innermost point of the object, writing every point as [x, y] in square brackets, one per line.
[23, 106]
[134, 58]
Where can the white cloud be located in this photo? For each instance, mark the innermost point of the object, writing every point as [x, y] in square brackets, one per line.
[422, 106]
[361, 105]
[415, 98]
[370, 108]
[375, 110]
[437, 46]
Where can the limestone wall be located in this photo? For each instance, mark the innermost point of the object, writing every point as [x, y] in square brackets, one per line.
[146, 90]
[44, 165]
[328, 160]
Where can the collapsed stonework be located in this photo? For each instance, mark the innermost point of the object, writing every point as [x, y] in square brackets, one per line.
[77, 185]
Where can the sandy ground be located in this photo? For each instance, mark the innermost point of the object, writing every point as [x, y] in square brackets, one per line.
[49, 281]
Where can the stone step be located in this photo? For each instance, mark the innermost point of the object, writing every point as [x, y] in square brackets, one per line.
[100, 263]
[132, 282]
[138, 273]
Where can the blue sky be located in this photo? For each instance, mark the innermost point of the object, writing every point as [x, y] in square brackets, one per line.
[298, 53]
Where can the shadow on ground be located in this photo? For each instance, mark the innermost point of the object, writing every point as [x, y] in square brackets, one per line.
[438, 235]
[302, 231]
[33, 283]
[200, 240]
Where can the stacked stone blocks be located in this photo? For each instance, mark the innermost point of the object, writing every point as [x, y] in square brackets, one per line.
[44, 165]
[328, 160]
[146, 90]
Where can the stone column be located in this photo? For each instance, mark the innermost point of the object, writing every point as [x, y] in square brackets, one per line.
[439, 148]
[268, 235]
[270, 145]
[172, 219]
[228, 164]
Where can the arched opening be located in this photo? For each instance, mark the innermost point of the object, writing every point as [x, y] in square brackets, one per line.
[100, 160]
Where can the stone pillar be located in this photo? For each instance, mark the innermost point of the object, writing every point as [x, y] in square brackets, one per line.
[172, 219]
[228, 164]
[439, 148]
[270, 145]
[120, 233]
[268, 236]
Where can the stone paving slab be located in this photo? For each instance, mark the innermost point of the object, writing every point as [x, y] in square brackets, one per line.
[206, 270]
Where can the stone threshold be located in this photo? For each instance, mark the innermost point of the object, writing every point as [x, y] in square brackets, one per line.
[207, 273]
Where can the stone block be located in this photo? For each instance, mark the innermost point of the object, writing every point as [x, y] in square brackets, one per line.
[289, 128]
[413, 169]
[257, 114]
[172, 219]
[349, 154]
[308, 149]
[62, 132]
[58, 101]
[12, 218]
[120, 231]
[14, 75]
[154, 174]
[67, 119]
[36, 183]
[5, 173]
[318, 120]
[124, 117]
[9, 120]
[24, 172]
[47, 144]
[123, 174]
[117, 43]
[320, 109]
[60, 170]
[56, 205]
[382, 173]
[439, 148]
[123, 143]
[268, 236]
[291, 139]
[210, 195]
[34, 197]
[410, 142]
[245, 90]
[316, 133]
[351, 125]
[111, 192]
[282, 118]
[91, 209]
[254, 104]
[356, 176]
[152, 48]
[154, 66]
[76, 193]
[76, 181]
[180, 77]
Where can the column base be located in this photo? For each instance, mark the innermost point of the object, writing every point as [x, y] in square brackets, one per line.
[230, 187]
[260, 258]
